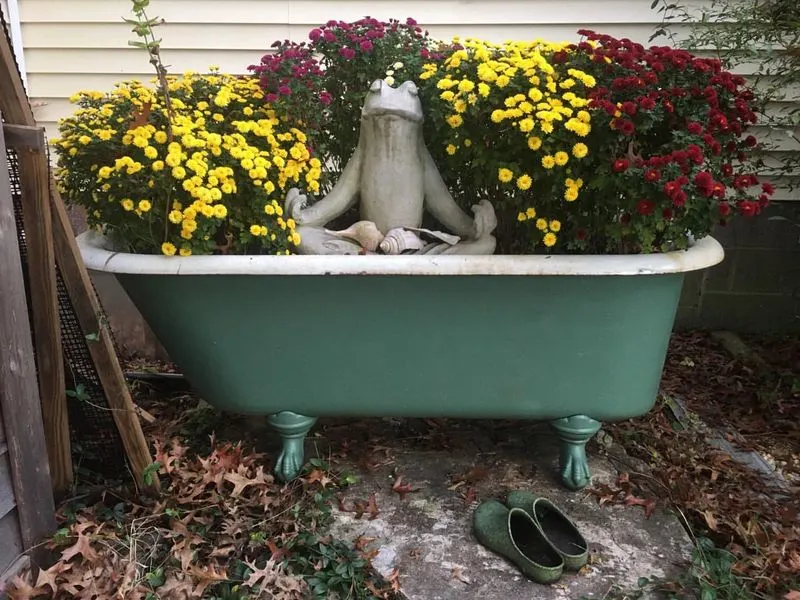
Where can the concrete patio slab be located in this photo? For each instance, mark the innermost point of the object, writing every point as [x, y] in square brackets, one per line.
[427, 535]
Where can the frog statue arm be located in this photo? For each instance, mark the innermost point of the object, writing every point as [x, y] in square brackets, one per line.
[343, 195]
[442, 206]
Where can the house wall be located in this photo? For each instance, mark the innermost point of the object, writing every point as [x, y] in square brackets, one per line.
[83, 44]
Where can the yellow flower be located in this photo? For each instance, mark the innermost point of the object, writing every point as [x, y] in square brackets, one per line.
[549, 239]
[465, 85]
[145, 205]
[190, 225]
[580, 150]
[524, 182]
[521, 217]
[455, 121]
[447, 96]
[255, 229]
[139, 141]
[498, 115]
[561, 158]
[541, 224]
[104, 172]
[505, 175]
[127, 204]
[184, 251]
[269, 187]
[269, 209]
[295, 238]
[526, 125]
[571, 194]
[446, 84]
[84, 139]
[484, 89]
[451, 149]
[178, 172]
[150, 152]
[160, 137]
[502, 81]
[220, 211]
[548, 162]
[176, 216]
[534, 143]
[530, 212]
[467, 143]
[555, 225]
[168, 248]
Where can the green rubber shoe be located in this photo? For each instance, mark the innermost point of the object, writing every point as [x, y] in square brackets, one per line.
[556, 527]
[515, 535]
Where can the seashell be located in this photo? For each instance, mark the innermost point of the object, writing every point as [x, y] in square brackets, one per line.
[435, 236]
[398, 241]
[366, 233]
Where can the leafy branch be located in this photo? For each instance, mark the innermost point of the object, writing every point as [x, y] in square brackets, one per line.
[143, 26]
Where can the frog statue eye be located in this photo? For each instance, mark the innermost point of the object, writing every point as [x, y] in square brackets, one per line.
[376, 86]
[412, 88]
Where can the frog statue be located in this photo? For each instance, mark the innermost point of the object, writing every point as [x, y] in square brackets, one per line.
[393, 177]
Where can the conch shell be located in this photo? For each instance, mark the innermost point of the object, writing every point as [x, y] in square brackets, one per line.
[366, 233]
[400, 240]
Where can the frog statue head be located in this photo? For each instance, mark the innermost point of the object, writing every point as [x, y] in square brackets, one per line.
[403, 101]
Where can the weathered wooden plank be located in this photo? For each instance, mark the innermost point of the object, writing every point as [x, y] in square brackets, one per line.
[23, 137]
[88, 311]
[19, 395]
[35, 182]
[11, 547]
[15, 107]
[2, 429]
[7, 500]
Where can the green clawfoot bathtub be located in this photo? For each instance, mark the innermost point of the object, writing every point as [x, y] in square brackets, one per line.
[573, 340]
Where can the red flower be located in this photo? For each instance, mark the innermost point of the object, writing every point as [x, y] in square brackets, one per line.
[329, 36]
[366, 46]
[629, 108]
[652, 175]
[768, 188]
[620, 165]
[285, 90]
[580, 234]
[724, 209]
[347, 53]
[647, 103]
[315, 34]
[748, 208]
[627, 127]
[325, 98]
[727, 170]
[751, 141]
[679, 198]
[694, 127]
[645, 207]
[667, 213]
[625, 219]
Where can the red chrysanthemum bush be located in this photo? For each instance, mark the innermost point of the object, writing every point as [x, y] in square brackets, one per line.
[670, 156]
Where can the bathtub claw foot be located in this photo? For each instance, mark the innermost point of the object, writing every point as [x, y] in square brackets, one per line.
[574, 432]
[293, 429]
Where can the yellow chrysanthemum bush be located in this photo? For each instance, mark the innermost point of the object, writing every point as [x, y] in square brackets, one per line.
[509, 122]
[200, 170]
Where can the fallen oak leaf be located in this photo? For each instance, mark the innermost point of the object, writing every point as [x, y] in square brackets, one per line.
[276, 554]
[82, 546]
[649, 504]
[402, 488]
[792, 595]
[207, 576]
[372, 507]
[48, 577]
[394, 580]
[20, 589]
[319, 476]
[458, 574]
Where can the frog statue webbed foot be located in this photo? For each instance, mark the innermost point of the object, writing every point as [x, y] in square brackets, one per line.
[392, 176]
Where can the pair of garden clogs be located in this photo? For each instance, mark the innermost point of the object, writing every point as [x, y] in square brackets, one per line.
[533, 534]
